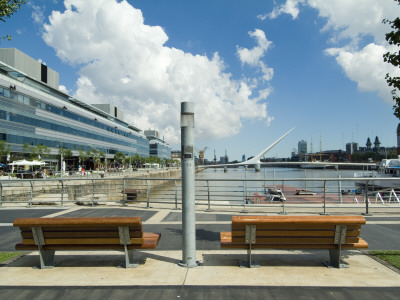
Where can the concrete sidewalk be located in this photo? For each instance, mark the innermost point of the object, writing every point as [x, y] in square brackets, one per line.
[290, 274]
[218, 267]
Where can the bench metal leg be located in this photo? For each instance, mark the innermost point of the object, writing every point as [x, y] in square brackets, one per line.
[46, 258]
[249, 263]
[129, 263]
[335, 262]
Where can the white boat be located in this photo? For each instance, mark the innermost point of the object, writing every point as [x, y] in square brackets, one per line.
[388, 168]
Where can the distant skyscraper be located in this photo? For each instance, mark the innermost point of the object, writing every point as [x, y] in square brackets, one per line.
[243, 157]
[351, 148]
[302, 148]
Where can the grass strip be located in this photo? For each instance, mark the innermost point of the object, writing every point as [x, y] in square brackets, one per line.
[7, 255]
[390, 256]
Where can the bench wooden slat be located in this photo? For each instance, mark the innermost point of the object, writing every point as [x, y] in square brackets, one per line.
[292, 220]
[83, 241]
[151, 241]
[227, 243]
[294, 240]
[292, 226]
[82, 228]
[83, 234]
[295, 233]
[95, 221]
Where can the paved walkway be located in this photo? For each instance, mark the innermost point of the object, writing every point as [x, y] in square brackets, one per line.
[283, 274]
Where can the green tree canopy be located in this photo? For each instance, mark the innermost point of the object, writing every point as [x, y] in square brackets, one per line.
[7, 8]
[393, 58]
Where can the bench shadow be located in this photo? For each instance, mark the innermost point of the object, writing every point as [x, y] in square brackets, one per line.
[87, 260]
[304, 259]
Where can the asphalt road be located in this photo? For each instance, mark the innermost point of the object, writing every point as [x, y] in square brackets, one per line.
[381, 233]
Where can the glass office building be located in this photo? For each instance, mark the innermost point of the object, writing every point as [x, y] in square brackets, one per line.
[34, 111]
[158, 147]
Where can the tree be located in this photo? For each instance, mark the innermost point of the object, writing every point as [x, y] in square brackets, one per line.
[393, 58]
[119, 157]
[7, 8]
[36, 152]
[5, 149]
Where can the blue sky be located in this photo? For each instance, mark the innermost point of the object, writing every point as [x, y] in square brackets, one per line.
[254, 69]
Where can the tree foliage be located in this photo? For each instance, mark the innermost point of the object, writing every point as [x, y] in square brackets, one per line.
[8, 8]
[5, 149]
[393, 58]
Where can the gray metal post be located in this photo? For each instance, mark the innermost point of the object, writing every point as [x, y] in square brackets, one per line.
[148, 194]
[324, 213]
[366, 201]
[188, 186]
[62, 193]
[176, 196]
[31, 194]
[340, 189]
[1, 194]
[208, 197]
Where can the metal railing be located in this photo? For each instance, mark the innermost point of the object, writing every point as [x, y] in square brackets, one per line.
[210, 193]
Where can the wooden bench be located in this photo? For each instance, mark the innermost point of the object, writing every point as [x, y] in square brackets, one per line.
[110, 233]
[295, 232]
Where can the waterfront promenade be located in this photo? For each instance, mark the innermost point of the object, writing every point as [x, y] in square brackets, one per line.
[283, 274]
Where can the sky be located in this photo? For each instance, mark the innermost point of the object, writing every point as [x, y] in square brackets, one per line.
[253, 69]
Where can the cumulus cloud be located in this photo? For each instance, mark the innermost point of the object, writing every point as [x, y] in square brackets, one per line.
[253, 56]
[127, 64]
[353, 23]
[290, 7]
[366, 68]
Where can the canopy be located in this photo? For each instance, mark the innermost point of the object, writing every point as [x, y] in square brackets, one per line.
[27, 163]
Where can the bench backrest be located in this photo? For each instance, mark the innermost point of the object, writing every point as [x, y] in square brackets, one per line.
[81, 231]
[296, 230]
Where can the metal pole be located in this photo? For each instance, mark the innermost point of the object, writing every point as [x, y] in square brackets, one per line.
[208, 196]
[31, 194]
[283, 212]
[148, 193]
[92, 192]
[1, 194]
[62, 192]
[324, 213]
[188, 186]
[340, 189]
[176, 196]
[366, 201]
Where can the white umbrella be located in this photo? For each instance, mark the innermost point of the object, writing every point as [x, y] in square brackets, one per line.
[27, 163]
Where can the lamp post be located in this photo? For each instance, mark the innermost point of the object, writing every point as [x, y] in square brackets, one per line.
[188, 186]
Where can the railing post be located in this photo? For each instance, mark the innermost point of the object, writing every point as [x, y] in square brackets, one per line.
[92, 191]
[208, 197]
[324, 213]
[283, 212]
[245, 193]
[1, 194]
[148, 193]
[31, 193]
[124, 195]
[366, 200]
[176, 195]
[62, 192]
[340, 189]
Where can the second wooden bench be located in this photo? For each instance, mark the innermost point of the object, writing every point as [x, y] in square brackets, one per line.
[295, 232]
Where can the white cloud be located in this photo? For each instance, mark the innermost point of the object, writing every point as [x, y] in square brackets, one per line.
[37, 13]
[127, 64]
[366, 68]
[352, 23]
[253, 56]
[290, 7]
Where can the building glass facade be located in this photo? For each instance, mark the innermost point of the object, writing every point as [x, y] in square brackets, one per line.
[32, 112]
